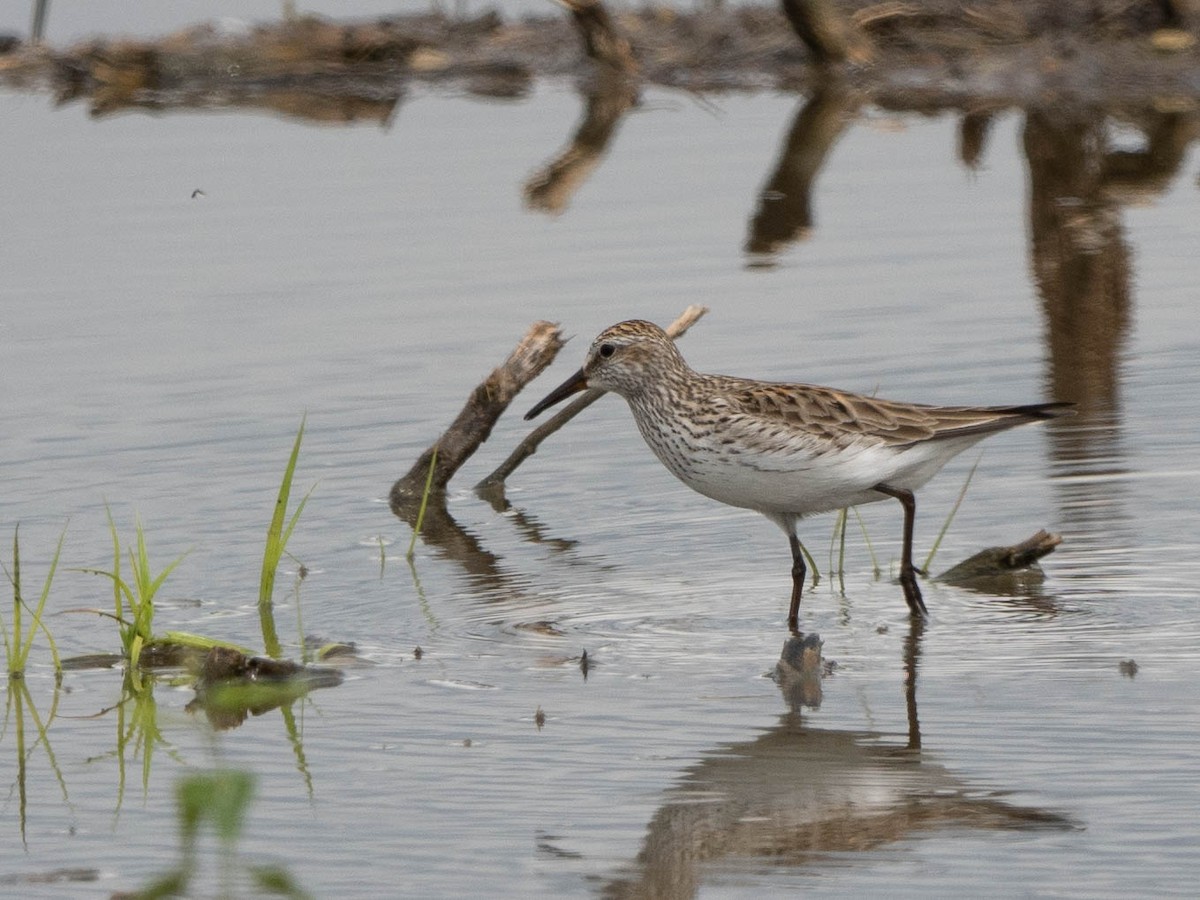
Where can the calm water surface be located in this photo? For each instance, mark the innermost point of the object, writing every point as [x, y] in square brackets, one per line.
[157, 352]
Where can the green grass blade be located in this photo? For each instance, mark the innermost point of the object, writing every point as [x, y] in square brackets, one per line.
[156, 583]
[276, 539]
[867, 541]
[412, 543]
[812, 564]
[8, 647]
[13, 648]
[116, 570]
[291, 525]
[201, 642]
[950, 518]
[37, 611]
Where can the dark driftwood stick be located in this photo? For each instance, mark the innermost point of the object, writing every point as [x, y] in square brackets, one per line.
[533, 354]
[828, 35]
[527, 447]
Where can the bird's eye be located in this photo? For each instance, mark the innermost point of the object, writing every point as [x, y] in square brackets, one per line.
[607, 350]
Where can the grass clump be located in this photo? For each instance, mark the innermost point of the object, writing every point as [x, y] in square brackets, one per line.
[134, 602]
[17, 646]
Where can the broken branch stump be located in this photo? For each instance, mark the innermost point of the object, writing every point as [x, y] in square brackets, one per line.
[490, 398]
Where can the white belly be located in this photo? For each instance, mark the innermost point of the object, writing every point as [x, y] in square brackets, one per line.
[800, 483]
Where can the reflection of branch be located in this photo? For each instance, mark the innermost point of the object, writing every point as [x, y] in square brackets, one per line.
[785, 203]
[601, 40]
[614, 92]
[494, 483]
[829, 37]
[551, 188]
[1079, 251]
[972, 136]
[489, 399]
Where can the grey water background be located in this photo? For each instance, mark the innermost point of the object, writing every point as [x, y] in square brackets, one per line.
[157, 352]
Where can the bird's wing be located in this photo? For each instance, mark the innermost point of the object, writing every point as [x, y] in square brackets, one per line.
[814, 417]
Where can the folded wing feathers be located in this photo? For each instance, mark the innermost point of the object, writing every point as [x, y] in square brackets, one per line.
[845, 418]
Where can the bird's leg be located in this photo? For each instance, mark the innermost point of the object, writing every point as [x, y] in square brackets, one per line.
[798, 572]
[908, 573]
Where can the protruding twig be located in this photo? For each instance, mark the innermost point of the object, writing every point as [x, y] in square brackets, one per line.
[533, 354]
[494, 483]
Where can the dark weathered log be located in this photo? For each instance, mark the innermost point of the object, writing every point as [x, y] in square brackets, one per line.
[828, 35]
[533, 354]
[493, 485]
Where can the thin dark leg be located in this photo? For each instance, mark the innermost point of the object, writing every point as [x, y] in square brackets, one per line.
[908, 573]
[912, 656]
[798, 572]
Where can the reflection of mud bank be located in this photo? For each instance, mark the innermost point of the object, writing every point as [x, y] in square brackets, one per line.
[927, 53]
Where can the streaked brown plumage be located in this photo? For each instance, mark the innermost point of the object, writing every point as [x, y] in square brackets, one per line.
[786, 450]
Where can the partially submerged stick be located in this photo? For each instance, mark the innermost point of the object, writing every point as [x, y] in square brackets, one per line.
[489, 399]
[995, 562]
[494, 483]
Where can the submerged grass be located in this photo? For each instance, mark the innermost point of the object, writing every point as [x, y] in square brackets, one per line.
[838, 536]
[16, 646]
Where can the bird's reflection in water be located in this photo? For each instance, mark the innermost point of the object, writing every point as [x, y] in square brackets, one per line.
[797, 794]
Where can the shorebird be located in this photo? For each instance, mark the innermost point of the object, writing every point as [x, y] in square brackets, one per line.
[786, 450]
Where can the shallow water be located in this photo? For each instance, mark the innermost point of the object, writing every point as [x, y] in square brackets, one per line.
[157, 352]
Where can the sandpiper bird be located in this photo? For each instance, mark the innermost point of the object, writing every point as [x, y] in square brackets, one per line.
[785, 450]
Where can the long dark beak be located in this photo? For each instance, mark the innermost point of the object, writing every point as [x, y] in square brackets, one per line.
[573, 385]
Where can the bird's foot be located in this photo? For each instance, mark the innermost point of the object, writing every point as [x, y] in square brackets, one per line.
[912, 594]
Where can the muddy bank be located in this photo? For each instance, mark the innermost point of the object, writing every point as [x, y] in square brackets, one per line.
[931, 53]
